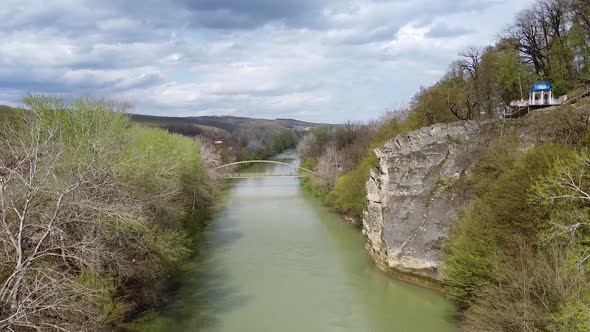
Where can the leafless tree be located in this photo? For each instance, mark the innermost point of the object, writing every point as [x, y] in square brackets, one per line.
[581, 11]
[329, 166]
[305, 146]
[470, 59]
[210, 157]
[530, 38]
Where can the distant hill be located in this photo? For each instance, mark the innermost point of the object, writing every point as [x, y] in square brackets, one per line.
[6, 111]
[227, 123]
[212, 126]
[219, 126]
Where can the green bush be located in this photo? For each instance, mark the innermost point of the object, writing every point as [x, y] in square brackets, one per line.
[114, 197]
[561, 88]
[471, 254]
[284, 140]
[490, 232]
[349, 194]
[312, 184]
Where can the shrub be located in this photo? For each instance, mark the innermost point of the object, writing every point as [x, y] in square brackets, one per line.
[561, 88]
[98, 206]
[486, 243]
[349, 194]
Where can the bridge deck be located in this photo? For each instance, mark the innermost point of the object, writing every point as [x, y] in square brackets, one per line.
[297, 172]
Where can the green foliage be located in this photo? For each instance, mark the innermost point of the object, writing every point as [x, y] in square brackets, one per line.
[470, 255]
[105, 299]
[484, 257]
[395, 127]
[158, 162]
[349, 194]
[561, 88]
[246, 154]
[320, 132]
[311, 184]
[170, 179]
[498, 159]
[430, 105]
[574, 315]
[132, 187]
[284, 140]
[564, 194]
[515, 76]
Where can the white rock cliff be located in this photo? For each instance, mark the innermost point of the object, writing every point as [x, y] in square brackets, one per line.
[415, 194]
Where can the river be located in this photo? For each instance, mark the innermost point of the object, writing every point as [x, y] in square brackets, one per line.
[274, 259]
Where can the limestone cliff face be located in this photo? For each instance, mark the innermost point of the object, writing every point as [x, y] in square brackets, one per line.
[415, 194]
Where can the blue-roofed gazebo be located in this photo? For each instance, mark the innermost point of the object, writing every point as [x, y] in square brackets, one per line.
[541, 93]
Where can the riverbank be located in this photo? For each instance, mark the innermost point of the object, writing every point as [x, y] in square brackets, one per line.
[274, 259]
[315, 190]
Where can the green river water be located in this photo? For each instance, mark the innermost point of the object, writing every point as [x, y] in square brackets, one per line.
[274, 259]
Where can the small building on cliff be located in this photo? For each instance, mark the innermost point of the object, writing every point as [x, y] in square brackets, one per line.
[541, 95]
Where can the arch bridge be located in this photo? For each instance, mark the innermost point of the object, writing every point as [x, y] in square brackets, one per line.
[245, 175]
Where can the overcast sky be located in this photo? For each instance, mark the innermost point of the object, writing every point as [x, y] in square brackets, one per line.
[315, 60]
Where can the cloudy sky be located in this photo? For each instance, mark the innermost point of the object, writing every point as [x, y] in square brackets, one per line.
[316, 60]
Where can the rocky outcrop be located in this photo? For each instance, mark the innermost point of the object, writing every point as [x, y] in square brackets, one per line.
[415, 194]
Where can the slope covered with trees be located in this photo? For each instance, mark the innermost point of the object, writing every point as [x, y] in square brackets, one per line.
[241, 138]
[91, 214]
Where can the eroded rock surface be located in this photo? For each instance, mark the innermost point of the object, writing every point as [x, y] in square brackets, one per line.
[415, 194]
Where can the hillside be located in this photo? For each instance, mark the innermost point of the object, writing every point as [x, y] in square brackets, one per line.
[6, 111]
[219, 126]
[213, 127]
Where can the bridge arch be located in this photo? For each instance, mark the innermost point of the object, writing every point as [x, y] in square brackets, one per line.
[265, 162]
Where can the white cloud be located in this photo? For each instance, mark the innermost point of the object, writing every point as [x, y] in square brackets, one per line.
[320, 60]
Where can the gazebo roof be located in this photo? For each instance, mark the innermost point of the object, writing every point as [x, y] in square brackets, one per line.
[541, 86]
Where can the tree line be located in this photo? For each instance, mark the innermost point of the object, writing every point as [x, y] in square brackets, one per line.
[245, 142]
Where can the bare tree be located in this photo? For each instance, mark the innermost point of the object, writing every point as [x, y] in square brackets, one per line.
[531, 40]
[210, 157]
[88, 204]
[581, 11]
[305, 146]
[470, 59]
[329, 166]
